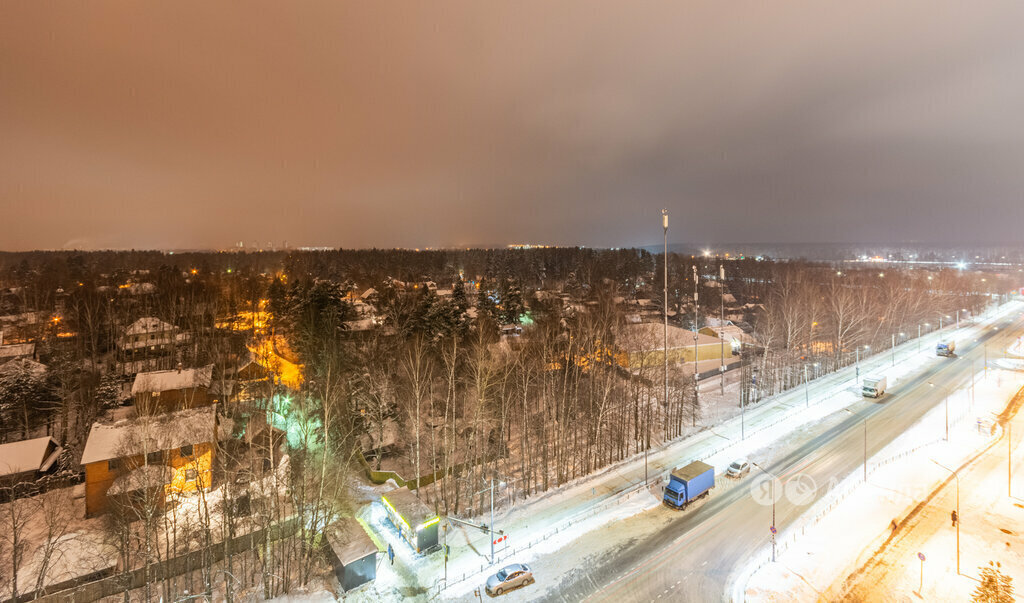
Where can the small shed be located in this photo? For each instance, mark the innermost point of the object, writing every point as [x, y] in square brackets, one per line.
[415, 521]
[352, 553]
[27, 460]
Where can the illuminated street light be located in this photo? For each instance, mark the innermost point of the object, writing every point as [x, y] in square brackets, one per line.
[865, 444]
[957, 477]
[946, 389]
[773, 528]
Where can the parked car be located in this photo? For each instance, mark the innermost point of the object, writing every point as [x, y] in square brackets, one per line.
[738, 468]
[510, 577]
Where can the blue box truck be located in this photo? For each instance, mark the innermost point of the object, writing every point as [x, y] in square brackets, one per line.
[689, 482]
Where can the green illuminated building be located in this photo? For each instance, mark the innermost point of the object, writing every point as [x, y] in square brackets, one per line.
[415, 521]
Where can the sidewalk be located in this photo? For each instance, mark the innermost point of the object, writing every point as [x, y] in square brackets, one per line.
[834, 542]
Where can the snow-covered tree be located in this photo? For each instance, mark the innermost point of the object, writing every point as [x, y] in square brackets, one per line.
[995, 586]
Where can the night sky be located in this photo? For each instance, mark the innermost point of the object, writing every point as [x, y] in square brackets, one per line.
[364, 123]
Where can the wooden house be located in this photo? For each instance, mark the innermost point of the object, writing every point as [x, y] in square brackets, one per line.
[174, 451]
[176, 389]
[27, 460]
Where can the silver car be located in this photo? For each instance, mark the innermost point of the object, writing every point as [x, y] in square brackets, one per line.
[512, 576]
[738, 468]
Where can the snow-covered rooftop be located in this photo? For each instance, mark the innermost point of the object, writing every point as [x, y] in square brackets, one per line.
[37, 369]
[28, 455]
[168, 431]
[147, 325]
[162, 381]
[650, 336]
[16, 350]
[349, 541]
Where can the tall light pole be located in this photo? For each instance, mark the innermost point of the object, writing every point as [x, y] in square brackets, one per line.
[865, 445]
[696, 327]
[773, 529]
[664, 225]
[918, 339]
[957, 477]
[807, 395]
[894, 349]
[946, 390]
[721, 321]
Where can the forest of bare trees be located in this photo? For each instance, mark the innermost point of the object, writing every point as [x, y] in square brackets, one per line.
[463, 402]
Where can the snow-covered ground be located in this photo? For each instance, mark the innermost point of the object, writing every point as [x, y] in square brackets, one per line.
[551, 522]
[837, 535]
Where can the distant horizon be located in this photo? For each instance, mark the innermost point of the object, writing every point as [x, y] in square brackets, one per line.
[676, 247]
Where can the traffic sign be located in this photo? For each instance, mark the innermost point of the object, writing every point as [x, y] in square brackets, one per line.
[774, 531]
[920, 556]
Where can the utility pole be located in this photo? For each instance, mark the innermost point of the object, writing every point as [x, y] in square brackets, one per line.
[696, 327]
[664, 353]
[491, 535]
[772, 528]
[857, 378]
[807, 394]
[865, 450]
[721, 321]
[743, 391]
[957, 478]
[1009, 459]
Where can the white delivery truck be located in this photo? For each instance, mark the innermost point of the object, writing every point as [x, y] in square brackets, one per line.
[873, 387]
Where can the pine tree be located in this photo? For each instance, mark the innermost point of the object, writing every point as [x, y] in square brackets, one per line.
[108, 393]
[459, 295]
[995, 587]
[485, 305]
[511, 302]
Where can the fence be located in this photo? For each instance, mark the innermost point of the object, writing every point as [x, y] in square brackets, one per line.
[500, 556]
[86, 589]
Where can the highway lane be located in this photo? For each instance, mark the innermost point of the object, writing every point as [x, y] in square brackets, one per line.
[699, 550]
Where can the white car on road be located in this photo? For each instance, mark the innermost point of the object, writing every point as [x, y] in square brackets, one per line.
[738, 468]
[512, 576]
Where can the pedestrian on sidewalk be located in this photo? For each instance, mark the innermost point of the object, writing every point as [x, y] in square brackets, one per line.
[954, 517]
[892, 526]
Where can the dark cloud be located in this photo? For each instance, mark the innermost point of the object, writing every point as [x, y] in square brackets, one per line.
[415, 124]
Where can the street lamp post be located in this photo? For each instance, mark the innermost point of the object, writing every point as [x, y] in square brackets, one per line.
[696, 327]
[946, 400]
[918, 339]
[957, 478]
[721, 321]
[865, 445]
[807, 395]
[664, 353]
[894, 349]
[773, 529]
